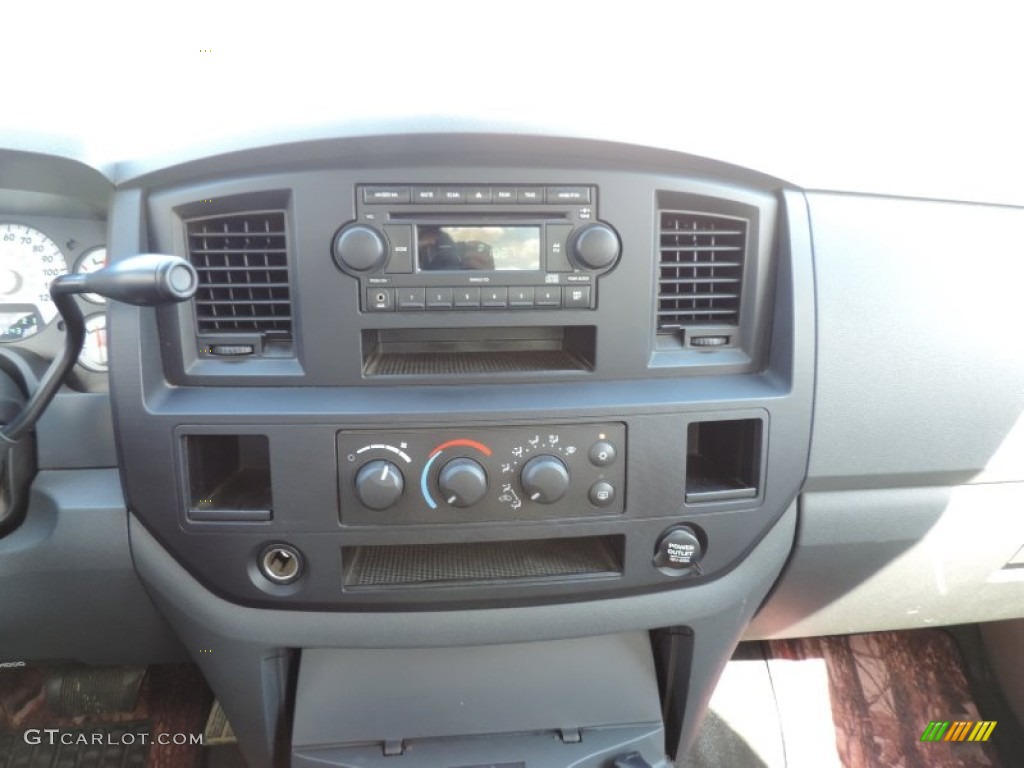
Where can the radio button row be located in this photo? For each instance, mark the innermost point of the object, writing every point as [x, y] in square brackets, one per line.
[439, 298]
[417, 299]
[382, 195]
[572, 195]
[467, 298]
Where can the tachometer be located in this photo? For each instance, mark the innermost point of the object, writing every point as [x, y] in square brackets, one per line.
[29, 261]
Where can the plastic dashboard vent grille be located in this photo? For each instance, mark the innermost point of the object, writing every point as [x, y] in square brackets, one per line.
[482, 562]
[701, 269]
[242, 260]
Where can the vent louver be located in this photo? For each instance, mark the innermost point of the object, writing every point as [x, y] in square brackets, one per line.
[242, 261]
[700, 270]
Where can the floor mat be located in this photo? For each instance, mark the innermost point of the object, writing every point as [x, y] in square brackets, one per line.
[172, 707]
[884, 689]
[110, 747]
[856, 701]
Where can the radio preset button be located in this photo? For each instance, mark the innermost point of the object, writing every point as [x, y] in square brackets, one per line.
[532, 195]
[380, 299]
[410, 298]
[478, 195]
[467, 298]
[494, 298]
[504, 194]
[439, 298]
[381, 195]
[453, 194]
[400, 237]
[569, 195]
[548, 296]
[427, 195]
[519, 298]
[576, 297]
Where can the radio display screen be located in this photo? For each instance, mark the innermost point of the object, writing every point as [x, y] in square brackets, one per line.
[492, 248]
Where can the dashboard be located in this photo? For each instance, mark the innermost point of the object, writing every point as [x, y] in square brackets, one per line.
[476, 400]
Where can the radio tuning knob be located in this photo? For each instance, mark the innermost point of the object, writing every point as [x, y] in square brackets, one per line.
[359, 248]
[463, 482]
[379, 484]
[595, 246]
[545, 479]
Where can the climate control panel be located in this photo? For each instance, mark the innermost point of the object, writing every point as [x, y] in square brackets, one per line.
[476, 475]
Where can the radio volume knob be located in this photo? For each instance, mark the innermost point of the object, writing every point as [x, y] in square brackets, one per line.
[595, 246]
[359, 248]
[379, 484]
[545, 479]
[463, 482]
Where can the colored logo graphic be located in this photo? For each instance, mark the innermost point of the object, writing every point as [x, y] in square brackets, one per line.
[958, 730]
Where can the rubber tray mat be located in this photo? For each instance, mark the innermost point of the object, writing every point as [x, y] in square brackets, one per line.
[173, 699]
[110, 747]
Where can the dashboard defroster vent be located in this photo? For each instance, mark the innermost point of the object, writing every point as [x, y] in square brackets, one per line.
[700, 269]
[242, 261]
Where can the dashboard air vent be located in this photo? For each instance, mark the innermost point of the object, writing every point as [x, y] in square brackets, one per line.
[701, 269]
[242, 260]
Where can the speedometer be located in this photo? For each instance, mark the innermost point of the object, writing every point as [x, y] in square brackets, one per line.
[29, 261]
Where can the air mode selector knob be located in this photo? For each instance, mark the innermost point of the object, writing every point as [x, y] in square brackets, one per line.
[545, 479]
[463, 482]
[359, 248]
[379, 484]
[595, 246]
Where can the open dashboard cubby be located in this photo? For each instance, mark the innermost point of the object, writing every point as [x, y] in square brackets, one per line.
[228, 478]
[723, 460]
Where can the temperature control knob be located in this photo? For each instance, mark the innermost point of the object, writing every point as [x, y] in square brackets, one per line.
[379, 484]
[463, 482]
[595, 246]
[359, 248]
[545, 479]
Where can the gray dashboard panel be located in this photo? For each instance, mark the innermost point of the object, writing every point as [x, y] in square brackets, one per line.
[910, 513]
[920, 373]
[68, 589]
[900, 558]
[247, 662]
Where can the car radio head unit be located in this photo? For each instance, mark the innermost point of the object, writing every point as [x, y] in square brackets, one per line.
[436, 247]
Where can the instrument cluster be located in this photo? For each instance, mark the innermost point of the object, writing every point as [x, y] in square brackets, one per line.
[34, 250]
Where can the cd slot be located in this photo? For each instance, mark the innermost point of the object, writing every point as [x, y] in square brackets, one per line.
[481, 351]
